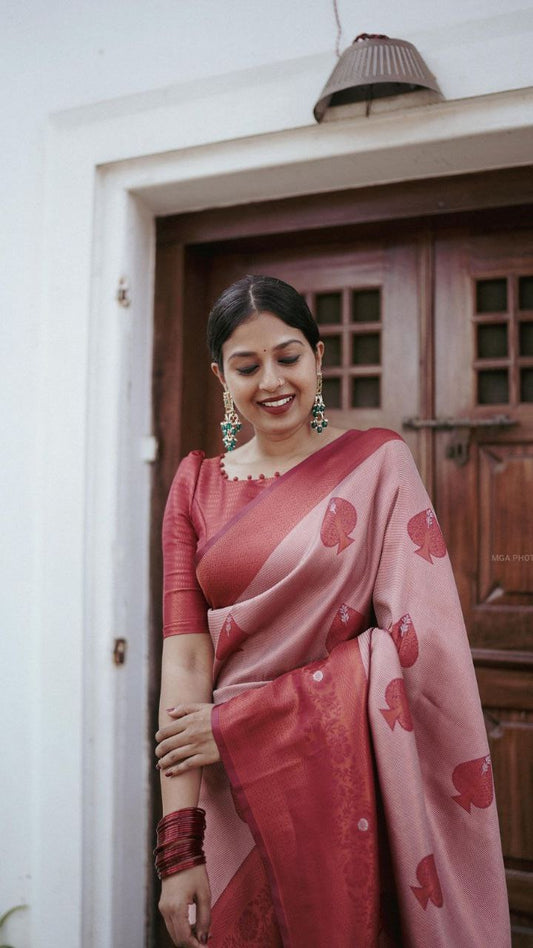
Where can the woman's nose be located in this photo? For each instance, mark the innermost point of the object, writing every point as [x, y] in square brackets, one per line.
[270, 379]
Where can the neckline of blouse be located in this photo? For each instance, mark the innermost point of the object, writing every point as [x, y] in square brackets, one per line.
[249, 477]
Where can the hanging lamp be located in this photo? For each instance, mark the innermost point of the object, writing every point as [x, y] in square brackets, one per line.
[373, 67]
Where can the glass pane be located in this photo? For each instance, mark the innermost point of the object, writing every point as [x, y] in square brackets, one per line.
[525, 292]
[491, 296]
[492, 341]
[331, 392]
[365, 392]
[365, 349]
[366, 306]
[332, 350]
[526, 339]
[526, 385]
[492, 387]
[328, 308]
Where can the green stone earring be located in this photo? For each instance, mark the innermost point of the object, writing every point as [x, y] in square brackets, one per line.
[318, 410]
[231, 424]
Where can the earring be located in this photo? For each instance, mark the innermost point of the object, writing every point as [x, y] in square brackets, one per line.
[231, 424]
[318, 410]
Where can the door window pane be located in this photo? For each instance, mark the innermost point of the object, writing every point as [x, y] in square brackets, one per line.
[328, 308]
[493, 387]
[526, 339]
[331, 392]
[525, 292]
[365, 392]
[526, 385]
[332, 351]
[492, 341]
[491, 296]
[366, 306]
[366, 349]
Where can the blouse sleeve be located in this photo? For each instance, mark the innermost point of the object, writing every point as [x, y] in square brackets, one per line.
[184, 605]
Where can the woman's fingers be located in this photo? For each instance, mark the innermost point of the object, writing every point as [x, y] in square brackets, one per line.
[188, 742]
[171, 730]
[197, 760]
[174, 744]
[203, 916]
[176, 756]
[179, 891]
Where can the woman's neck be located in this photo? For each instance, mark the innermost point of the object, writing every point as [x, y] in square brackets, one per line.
[264, 455]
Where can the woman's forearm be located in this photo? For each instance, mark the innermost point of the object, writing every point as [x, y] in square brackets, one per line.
[186, 677]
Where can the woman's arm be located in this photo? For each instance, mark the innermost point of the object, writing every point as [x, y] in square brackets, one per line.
[186, 677]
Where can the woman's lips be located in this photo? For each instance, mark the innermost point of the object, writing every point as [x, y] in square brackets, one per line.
[278, 405]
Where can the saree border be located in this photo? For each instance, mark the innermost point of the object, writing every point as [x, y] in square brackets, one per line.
[250, 819]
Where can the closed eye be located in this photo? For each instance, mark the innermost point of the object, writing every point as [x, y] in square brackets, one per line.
[285, 360]
[247, 369]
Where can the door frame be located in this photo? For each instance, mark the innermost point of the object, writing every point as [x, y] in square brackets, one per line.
[110, 171]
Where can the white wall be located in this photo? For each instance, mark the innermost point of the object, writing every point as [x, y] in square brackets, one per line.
[58, 55]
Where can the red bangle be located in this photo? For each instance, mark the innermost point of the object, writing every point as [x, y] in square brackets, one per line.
[180, 837]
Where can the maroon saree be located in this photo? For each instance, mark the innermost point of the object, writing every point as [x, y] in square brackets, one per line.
[354, 805]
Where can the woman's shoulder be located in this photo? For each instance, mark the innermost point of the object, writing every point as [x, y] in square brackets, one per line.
[387, 449]
[193, 467]
[375, 438]
[186, 475]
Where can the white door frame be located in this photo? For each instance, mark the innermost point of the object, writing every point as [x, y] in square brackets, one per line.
[110, 171]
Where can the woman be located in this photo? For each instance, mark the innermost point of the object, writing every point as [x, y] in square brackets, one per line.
[329, 723]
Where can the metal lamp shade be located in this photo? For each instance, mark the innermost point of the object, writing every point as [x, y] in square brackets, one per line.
[374, 67]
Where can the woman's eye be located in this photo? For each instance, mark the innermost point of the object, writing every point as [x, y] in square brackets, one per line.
[246, 369]
[289, 360]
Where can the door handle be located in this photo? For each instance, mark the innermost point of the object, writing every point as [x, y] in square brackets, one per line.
[459, 447]
[496, 421]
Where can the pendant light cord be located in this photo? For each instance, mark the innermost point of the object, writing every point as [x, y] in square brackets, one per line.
[339, 29]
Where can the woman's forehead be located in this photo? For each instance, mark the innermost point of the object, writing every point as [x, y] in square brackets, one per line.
[262, 332]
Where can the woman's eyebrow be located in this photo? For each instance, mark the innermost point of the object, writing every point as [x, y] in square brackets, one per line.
[281, 345]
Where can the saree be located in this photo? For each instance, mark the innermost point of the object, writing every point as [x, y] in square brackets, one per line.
[354, 801]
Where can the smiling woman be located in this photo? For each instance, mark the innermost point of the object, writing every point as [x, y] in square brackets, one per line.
[272, 378]
[267, 353]
[306, 587]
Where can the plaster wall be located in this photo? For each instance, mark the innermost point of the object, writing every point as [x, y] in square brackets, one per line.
[167, 77]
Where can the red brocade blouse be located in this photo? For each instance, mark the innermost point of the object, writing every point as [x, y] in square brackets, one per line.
[201, 500]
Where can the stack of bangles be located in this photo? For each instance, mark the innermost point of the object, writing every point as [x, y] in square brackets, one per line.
[180, 837]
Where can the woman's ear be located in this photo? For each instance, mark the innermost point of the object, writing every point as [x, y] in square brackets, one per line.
[319, 354]
[215, 368]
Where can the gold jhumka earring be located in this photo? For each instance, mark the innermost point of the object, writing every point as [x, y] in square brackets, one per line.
[231, 424]
[318, 410]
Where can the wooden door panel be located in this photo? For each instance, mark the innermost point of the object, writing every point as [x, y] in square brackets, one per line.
[505, 558]
[483, 322]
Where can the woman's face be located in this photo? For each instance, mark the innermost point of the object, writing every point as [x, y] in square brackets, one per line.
[270, 370]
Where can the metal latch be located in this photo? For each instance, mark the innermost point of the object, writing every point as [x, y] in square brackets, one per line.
[458, 448]
[119, 651]
[123, 296]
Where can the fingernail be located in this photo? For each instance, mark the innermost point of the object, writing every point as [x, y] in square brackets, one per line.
[203, 939]
[169, 710]
[169, 773]
[158, 766]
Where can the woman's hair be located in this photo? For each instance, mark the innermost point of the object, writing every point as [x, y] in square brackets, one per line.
[249, 297]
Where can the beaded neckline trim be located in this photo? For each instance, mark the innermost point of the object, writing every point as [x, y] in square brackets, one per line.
[249, 477]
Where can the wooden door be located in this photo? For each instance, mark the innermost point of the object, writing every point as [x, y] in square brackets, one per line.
[424, 321]
[484, 498]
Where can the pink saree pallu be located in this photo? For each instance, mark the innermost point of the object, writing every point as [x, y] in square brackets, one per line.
[354, 804]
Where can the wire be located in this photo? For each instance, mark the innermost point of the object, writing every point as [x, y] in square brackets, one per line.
[339, 29]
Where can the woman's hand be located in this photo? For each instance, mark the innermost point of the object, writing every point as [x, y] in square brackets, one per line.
[188, 742]
[191, 886]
